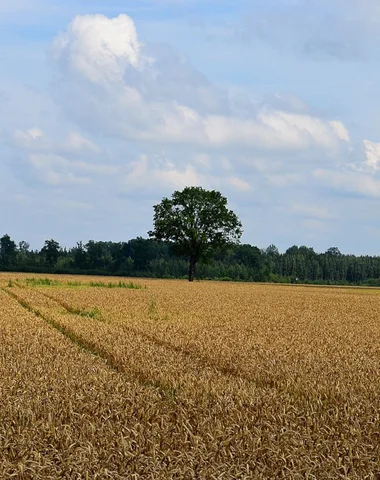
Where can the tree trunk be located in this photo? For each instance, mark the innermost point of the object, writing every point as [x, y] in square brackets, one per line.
[192, 263]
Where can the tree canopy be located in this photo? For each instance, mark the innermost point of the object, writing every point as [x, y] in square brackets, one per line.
[51, 251]
[7, 250]
[197, 222]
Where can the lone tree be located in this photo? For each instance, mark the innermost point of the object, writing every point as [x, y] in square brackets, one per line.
[196, 222]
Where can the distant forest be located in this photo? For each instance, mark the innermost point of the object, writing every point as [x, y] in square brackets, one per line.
[141, 257]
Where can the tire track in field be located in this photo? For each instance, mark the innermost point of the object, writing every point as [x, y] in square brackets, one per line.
[67, 332]
[263, 380]
[195, 356]
[90, 347]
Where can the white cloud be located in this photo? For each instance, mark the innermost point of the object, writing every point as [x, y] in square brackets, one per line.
[353, 182]
[35, 133]
[31, 138]
[98, 48]
[340, 130]
[55, 170]
[270, 130]
[75, 141]
[145, 174]
[372, 151]
[36, 140]
[116, 90]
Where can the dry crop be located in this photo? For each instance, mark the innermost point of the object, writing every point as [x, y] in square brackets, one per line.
[187, 381]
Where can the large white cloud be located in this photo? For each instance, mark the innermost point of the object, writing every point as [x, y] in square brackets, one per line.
[110, 85]
[98, 48]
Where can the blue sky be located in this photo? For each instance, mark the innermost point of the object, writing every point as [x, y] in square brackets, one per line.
[107, 106]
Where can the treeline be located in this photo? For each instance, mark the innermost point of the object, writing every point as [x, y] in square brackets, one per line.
[141, 257]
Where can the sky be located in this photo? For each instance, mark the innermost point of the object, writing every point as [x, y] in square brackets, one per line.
[107, 106]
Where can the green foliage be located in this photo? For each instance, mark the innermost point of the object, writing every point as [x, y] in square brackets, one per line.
[7, 250]
[74, 284]
[42, 282]
[334, 251]
[94, 313]
[47, 282]
[197, 223]
[51, 251]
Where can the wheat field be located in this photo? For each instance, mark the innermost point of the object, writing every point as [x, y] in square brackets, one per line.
[102, 378]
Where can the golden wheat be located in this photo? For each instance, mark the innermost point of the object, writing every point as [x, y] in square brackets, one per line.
[178, 380]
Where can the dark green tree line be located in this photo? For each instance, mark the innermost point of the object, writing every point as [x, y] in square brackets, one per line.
[152, 258]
